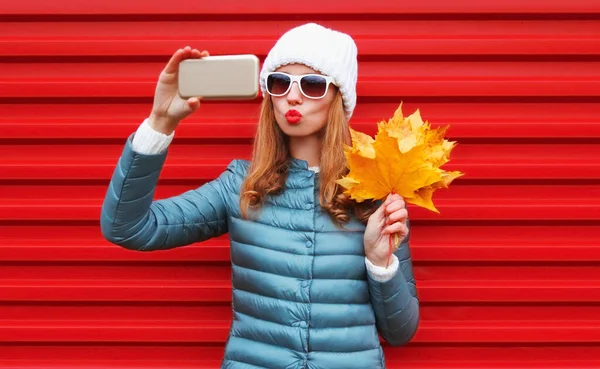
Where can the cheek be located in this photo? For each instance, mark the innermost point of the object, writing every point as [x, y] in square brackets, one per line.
[279, 105]
[321, 108]
[318, 116]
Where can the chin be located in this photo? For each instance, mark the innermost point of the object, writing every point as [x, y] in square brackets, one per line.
[297, 131]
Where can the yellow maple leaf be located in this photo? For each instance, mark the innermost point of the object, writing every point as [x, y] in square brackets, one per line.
[362, 144]
[404, 158]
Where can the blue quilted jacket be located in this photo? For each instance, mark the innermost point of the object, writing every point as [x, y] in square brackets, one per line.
[302, 297]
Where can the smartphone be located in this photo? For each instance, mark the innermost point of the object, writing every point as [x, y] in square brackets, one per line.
[219, 77]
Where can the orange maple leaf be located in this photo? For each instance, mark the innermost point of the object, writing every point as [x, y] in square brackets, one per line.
[404, 158]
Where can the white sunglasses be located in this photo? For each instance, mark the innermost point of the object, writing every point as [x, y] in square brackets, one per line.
[313, 86]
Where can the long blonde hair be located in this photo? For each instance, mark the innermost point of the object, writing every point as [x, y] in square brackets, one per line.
[268, 170]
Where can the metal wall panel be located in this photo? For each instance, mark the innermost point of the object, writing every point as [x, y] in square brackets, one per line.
[508, 273]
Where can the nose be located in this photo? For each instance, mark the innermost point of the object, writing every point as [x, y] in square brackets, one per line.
[294, 96]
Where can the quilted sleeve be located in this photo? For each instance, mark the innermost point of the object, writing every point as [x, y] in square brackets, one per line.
[130, 218]
[395, 301]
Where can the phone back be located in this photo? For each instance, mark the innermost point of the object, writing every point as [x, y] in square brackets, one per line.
[219, 77]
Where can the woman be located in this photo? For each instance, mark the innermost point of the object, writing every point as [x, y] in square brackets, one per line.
[310, 283]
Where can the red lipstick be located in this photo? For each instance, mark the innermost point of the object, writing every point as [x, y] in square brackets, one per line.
[293, 116]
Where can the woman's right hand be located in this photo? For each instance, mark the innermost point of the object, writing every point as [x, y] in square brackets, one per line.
[169, 108]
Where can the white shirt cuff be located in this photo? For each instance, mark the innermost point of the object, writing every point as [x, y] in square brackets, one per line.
[149, 141]
[381, 274]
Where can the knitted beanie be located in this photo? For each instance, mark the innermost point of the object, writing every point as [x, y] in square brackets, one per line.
[330, 52]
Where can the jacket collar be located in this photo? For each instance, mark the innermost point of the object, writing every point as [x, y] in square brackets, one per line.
[298, 164]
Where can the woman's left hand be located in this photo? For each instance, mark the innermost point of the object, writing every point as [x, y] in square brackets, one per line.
[388, 219]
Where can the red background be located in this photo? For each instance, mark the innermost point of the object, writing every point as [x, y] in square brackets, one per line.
[508, 273]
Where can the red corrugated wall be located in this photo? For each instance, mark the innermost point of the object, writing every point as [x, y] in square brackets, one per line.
[508, 274]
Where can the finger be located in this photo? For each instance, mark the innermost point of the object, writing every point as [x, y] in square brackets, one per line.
[389, 199]
[395, 206]
[179, 55]
[380, 212]
[173, 64]
[396, 228]
[193, 103]
[204, 53]
[188, 52]
[397, 216]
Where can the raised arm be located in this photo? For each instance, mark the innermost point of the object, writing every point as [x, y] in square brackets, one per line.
[130, 218]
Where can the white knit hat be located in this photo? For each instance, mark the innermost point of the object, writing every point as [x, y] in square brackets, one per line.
[330, 52]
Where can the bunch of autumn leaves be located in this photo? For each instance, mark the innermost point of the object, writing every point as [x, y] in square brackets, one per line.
[404, 158]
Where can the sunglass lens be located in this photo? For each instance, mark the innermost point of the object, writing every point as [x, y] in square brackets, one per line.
[277, 84]
[314, 86]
